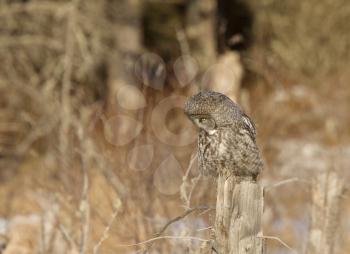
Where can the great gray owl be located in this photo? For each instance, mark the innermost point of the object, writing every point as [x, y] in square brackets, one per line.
[226, 141]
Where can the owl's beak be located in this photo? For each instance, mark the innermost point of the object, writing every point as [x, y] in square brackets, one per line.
[193, 120]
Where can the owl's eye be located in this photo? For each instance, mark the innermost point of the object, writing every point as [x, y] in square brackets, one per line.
[202, 120]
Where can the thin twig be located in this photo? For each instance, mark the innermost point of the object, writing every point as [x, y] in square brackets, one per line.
[207, 210]
[105, 235]
[283, 182]
[188, 211]
[183, 42]
[192, 160]
[206, 228]
[279, 240]
[184, 196]
[84, 209]
[30, 40]
[191, 210]
[194, 184]
[66, 112]
[164, 237]
[68, 238]
[44, 127]
[34, 7]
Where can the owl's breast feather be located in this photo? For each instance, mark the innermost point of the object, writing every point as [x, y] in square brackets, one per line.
[212, 132]
[222, 148]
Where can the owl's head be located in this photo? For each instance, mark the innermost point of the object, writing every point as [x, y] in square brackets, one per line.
[210, 110]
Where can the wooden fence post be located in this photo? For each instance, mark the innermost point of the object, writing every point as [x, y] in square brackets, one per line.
[327, 188]
[239, 208]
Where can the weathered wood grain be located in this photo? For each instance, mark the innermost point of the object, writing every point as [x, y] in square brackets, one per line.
[327, 189]
[239, 211]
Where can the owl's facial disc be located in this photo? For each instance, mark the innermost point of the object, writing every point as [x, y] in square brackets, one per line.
[204, 123]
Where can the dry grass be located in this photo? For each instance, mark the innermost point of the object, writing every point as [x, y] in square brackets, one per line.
[308, 38]
[60, 145]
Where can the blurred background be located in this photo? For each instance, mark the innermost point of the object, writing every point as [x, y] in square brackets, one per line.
[96, 154]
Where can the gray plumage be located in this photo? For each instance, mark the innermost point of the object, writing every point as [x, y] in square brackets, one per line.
[226, 141]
